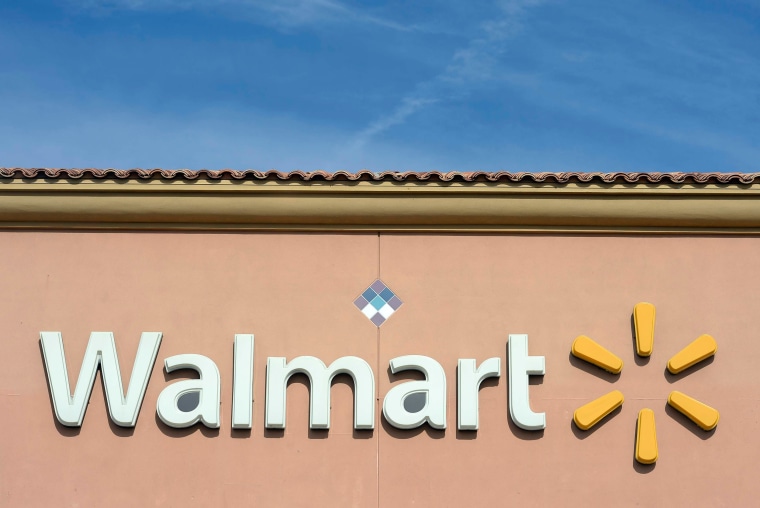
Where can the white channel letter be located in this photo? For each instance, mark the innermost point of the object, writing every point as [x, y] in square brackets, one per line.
[101, 352]
[320, 381]
[468, 383]
[520, 367]
[207, 387]
[242, 383]
[433, 388]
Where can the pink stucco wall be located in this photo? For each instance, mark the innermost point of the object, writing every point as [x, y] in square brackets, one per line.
[462, 296]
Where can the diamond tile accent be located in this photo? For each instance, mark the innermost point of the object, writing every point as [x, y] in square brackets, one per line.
[378, 302]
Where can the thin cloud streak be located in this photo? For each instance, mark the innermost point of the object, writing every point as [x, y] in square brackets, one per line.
[408, 107]
[469, 66]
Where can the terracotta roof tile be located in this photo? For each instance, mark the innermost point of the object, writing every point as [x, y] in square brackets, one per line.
[365, 175]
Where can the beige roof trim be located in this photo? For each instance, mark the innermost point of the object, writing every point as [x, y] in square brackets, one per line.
[384, 204]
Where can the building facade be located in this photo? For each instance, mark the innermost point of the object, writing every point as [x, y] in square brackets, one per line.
[423, 277]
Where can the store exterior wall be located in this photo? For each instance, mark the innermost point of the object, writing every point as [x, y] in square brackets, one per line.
[463, 294]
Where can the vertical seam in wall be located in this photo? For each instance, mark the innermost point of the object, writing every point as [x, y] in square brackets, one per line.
[377, 389]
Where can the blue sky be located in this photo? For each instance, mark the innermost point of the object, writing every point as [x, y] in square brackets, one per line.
[516, 85]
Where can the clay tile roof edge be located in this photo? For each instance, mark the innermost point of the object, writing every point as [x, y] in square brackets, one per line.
[396, 176]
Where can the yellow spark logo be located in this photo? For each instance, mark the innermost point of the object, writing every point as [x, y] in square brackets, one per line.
[585, 417]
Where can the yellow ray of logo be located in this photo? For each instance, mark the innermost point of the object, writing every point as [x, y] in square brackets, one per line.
[594, 353]
[698, 412]
[646, 438]
[592, 413]
[643, 320]
[701, 349]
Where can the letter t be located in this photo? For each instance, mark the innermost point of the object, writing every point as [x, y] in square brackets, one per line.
[520, 367]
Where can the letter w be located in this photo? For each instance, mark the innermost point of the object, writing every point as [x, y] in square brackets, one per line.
[101, 352]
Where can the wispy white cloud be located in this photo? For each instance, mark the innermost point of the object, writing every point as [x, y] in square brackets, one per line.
[470, 66]
[408, 106]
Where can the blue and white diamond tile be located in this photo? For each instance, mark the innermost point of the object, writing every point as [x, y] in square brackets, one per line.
[378, 302]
